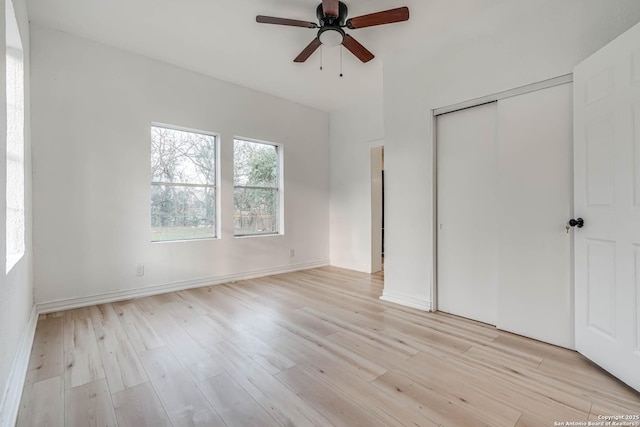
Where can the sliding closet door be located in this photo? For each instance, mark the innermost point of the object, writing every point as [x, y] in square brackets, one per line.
[535, 181]
[467, 226]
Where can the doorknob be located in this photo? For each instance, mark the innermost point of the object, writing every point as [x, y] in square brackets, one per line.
[578, 222]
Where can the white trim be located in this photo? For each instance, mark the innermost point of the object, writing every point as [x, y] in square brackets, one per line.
[70, 303]
[434, 212]
[167, 126]
[545, 84]
[406, 300]
[10, 403]
[361, 268]
[257, 141]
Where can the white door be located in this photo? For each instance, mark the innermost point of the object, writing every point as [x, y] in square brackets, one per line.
[467, 258]
[607, 196]
[535, 192]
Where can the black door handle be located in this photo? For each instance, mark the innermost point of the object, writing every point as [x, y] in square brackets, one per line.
[578, 222]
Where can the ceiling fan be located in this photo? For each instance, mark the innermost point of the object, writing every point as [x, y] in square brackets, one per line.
[332, 16]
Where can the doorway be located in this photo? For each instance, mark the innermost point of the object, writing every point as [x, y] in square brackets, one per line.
[377, 209]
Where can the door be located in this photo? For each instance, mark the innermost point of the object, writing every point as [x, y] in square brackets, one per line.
[467, 257]
[535, 192]
[607, 196]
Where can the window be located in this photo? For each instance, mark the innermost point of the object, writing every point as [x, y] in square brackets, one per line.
[256, 188]
[183, 184]
[15, 213]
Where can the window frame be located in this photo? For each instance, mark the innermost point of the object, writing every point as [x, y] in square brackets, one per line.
[15, 147]
[279, 189]
[215, 186]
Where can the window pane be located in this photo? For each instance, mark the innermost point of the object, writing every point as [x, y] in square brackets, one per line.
[180, 212]
[15, 208]
[255, 164]
[182, 157]
[255, 211]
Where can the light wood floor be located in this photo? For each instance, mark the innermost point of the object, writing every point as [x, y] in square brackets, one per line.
[313, 348]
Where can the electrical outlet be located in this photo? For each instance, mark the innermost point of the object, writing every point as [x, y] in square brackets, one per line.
[140, 270]
[292, 253]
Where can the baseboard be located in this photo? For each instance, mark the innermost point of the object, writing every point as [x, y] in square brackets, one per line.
[10, 403]
[362, 268]
[406, 300]
[108, 297]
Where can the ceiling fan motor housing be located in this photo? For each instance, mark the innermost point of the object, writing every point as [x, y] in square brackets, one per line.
[338, 21]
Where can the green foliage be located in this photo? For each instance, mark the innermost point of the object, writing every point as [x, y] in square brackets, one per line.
[264, 169]
[256, 207]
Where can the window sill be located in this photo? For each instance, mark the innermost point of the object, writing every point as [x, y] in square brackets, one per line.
[201, 239]
[247, 236]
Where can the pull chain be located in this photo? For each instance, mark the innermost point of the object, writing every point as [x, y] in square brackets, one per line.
[321, 50]
[341, 60]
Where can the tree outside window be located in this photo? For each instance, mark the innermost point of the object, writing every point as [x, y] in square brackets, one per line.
[183, 184]
[256, 188]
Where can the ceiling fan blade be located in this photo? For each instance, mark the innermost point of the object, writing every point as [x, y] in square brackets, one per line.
[357, 49]
[308, 51]
[331, 8]
[379, 18]
[283, 21]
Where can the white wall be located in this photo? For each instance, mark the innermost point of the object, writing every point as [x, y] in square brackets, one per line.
[515, 43]
[16, 288]
[92, 109]
[354, 131]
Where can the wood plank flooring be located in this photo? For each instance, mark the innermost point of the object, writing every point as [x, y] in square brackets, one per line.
[311, 348]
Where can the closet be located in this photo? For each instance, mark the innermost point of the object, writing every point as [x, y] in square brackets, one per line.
[504, 197]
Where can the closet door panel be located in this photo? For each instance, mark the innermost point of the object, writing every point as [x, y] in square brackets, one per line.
[467, 226]
[535, 199]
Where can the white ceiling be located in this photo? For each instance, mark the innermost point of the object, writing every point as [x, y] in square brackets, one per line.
[220, 38]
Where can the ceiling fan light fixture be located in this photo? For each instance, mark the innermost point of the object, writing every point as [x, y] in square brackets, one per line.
[331, 37]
